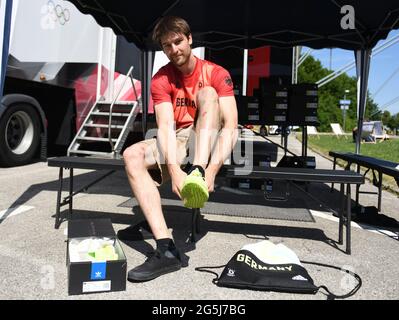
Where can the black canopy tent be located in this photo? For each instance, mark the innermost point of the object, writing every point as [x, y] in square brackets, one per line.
[250, 24]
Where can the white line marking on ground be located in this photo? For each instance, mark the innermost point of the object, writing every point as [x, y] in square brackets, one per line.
[354, 224]
[13, 211]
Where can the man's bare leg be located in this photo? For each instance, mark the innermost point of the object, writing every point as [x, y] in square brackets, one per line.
[207, 125]
[138, 159]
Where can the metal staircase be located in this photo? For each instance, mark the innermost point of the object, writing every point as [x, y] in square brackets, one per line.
[106, 127]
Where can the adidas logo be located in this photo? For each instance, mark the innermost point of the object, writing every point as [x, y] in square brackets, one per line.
[300, 278]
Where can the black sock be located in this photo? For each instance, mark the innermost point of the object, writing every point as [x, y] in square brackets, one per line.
[165, 244]
[201, 169]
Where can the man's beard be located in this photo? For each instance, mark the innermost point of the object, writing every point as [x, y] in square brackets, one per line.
[180, 60]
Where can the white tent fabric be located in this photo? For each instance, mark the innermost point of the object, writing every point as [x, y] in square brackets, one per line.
[252, 24]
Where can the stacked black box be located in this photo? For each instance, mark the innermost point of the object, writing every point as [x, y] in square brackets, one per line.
[257, 153]
[297, 162]
[242, 109]
[250, 153]
[303, 104]
[254, 111]
[274, 100]
[248, 110]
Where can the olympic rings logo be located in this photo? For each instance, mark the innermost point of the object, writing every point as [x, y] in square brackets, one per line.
[54, 13]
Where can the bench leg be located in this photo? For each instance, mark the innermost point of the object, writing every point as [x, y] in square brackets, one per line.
[348, 218]
[70, 191]
[379, 190]
[341, 215]
[57, 213]
[194, 224]
[197, 224]
[334, 166]
[357, 188]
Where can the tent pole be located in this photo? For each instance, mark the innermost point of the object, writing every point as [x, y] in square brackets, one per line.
[296, 57]
[147, 63]
[363, 57]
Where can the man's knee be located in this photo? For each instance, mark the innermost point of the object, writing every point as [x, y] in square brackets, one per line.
[207, 95]
[134, 156]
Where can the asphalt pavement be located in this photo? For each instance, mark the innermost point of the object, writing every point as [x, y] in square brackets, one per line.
[33, 252]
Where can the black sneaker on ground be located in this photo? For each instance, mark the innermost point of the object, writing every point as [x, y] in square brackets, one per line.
[156, 265]
[135, 232]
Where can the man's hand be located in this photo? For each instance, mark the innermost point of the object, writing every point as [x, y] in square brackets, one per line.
[177, 181]
[210, 181]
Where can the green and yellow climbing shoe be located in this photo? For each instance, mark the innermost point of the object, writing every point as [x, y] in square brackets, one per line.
[195, 191]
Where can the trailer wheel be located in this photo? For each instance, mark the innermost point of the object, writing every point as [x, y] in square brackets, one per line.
[19, 135]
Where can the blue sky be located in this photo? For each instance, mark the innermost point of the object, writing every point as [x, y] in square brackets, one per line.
[383, 66]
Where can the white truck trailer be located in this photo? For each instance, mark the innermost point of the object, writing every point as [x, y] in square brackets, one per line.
[56, 63]
[58, 66]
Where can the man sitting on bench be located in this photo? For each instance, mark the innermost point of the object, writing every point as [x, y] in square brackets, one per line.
[195, 96]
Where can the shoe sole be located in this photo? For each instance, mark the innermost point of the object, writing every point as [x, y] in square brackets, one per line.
[193, 195]
[154, 275]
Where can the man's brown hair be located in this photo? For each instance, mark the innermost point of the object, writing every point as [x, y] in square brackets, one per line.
[170, 24]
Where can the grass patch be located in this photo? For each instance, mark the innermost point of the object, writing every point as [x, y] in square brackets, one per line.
[387, 150]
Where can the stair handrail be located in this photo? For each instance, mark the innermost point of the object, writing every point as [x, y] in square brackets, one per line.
[128, 75]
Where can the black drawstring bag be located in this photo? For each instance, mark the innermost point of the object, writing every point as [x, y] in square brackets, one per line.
[268, 267]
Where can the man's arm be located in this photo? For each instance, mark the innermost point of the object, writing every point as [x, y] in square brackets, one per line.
[166, 137]
[226, 140]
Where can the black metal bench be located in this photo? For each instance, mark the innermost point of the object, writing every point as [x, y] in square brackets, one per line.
[79, 163]
[374, 164]
[288, 174]
[343, 177]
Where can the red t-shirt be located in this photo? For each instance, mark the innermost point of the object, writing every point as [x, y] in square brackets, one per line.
[170, 85]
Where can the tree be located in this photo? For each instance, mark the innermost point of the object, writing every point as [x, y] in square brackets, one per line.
[311, 71]
[386, 117]
[395, 123]
[392, 122]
